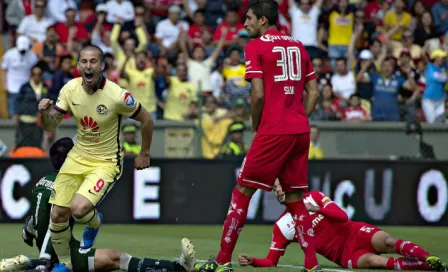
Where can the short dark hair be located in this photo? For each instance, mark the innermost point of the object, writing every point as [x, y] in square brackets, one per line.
[90, 47]
[342, 59]
[200, 11]
[232, 9]
[354, 95]
[69, 57]
[59, 151]
[265, 8]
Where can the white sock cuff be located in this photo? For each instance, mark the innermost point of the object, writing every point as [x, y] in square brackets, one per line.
[124, 261]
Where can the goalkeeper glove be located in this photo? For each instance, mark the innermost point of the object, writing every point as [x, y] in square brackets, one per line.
[26, 235]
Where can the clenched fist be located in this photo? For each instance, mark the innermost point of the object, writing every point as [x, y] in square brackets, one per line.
[45, 105]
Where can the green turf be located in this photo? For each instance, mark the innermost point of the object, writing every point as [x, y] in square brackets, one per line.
[163, 241]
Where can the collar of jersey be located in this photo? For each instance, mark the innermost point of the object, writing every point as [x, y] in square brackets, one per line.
[101, 83]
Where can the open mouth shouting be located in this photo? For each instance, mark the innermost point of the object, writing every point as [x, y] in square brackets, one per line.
[88, 77]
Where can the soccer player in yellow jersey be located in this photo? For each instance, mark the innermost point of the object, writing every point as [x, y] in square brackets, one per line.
[96, 161]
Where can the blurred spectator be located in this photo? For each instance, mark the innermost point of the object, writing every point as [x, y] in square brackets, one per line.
[217, 82]
[129, 46]
[322, 77]
[316, 152]
[211, 109]
[63, 28]
[440, 13]
[62, 76]
[386, 87]
[16, 10]
[365, 29]
[418, 8]
[28, 132]
[214, 10]
[320, 113]
[111, 71]
[159, 8]
[197, 29]
[34, 26]
[215, 125]
[92, 20]
[200, 68]
[140, 15]
[371, 10]
[330, 104]
[180, 94]
[119, 11]
[57, 9]
[50, 47]
[169, 29]
[363, 71]
[397, 19]
[16, 67]
[235, 71]
[425, 29]
[304, 21]
[235, 147]
[433, 102]
[354, 112]
[141, 82]
[101, 31]
[232, 24]
[130, 145]
[409, 93]
[340, 32]
[407, 43]
[343, 81]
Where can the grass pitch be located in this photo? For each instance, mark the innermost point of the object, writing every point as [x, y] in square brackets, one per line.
[163, 241]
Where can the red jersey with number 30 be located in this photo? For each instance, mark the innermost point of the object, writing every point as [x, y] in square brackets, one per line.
[285, 67]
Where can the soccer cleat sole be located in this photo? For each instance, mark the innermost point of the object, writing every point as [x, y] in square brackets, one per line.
[16, 264]
[188, 257]
[317, 268]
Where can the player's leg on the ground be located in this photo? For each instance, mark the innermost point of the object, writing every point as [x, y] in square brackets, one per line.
[112, 260]
[84, 212]
[383, 242]
[60, 234]
[374, 261]
[304, 229]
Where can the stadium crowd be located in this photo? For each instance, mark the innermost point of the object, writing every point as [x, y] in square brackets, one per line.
[183, 59]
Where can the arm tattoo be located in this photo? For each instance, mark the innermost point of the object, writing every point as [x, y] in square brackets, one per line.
[51, 119]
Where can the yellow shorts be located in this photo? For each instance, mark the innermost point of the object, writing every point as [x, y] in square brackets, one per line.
[79, 176]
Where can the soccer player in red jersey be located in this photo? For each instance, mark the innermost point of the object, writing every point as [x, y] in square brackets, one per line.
[280, 70]
[349, 244]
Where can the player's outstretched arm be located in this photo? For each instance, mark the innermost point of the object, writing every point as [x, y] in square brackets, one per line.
[270, 261]
[147, 124]
[325, 206]
[50, 117]
[257, 102]
[312, 96]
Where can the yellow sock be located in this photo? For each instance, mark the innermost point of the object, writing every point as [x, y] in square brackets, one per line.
[91, 220]
[60, 234]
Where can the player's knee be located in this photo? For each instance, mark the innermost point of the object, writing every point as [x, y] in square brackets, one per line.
[59, 214]
[80, 211]
[375, 262]
[390, 241]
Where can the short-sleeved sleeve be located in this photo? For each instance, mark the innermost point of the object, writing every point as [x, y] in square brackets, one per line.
[127, 105]
[252, 58]
[62, 103]
[6, 61]
[310, 74]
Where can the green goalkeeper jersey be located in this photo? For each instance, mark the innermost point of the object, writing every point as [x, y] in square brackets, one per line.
[41, 208]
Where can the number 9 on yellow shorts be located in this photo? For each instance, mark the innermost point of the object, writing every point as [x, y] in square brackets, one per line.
[92, 182]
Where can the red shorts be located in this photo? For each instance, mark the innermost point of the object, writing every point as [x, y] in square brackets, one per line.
[361, 243]
[277, 156]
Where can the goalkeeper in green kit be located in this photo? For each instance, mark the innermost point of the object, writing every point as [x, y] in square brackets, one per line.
[36, 229]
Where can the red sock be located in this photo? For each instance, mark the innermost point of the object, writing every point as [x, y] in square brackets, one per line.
[405, 264]
[304, 230]
[410, 250]
[236, 217]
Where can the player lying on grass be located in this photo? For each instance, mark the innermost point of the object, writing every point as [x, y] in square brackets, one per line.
[349, 244]
[36, 229]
